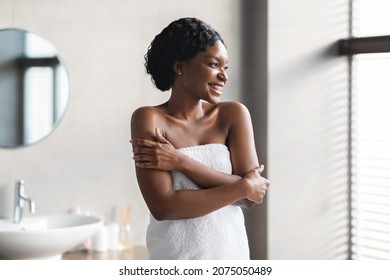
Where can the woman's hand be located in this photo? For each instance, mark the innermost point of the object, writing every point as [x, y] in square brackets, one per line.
[257, 185]
[159, 155]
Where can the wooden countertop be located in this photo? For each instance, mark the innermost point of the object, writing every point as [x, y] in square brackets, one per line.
[137, 253]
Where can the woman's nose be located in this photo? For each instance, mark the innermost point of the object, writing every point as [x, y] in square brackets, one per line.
[222, 75]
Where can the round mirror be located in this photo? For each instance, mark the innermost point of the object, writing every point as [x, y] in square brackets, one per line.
[34, 88]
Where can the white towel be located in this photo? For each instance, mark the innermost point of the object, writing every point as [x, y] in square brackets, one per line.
[218, 235]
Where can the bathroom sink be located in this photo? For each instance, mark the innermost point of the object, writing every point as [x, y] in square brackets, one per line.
[45, 237]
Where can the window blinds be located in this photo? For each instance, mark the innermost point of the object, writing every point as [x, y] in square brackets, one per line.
[370, 18]
[371, 136]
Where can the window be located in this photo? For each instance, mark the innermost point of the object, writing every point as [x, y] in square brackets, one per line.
[372, 146]
[43, 90]
[369, 50]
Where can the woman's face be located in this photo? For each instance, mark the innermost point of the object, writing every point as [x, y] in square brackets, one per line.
[204, 76]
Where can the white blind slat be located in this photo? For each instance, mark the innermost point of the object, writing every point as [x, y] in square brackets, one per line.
[371, 135]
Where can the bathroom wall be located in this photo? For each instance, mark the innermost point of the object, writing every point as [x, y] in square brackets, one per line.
[87, 162]
[307, 130]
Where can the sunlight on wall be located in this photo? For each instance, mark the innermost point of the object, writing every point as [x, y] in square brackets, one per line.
[308, 131]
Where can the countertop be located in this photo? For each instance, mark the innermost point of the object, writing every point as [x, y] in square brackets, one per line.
[137, 253]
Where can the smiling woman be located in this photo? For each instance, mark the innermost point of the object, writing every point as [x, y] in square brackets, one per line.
[195, 157]
[204, 75]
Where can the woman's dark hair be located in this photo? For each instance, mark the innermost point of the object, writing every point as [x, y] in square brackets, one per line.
[181, 40]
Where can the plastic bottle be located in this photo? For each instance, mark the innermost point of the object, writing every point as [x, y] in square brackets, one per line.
[100, 240]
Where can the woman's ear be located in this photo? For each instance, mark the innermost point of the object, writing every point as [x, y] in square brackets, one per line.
[178, 67]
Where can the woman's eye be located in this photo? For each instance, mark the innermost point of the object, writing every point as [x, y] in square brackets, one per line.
[216, 65]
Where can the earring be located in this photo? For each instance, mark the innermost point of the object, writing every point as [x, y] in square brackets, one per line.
[179, 73]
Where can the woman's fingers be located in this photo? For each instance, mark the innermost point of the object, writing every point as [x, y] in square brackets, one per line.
[142, 150]
[258, 169]
[145, 161]
[143, 142]
[143, 146]
[159, 136]
[145, 165]
[142, 157]
[259, 184]
[261, 169]
[150, 143]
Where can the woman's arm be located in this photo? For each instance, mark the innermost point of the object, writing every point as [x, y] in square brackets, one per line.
[161, 155]
[166, 203]
[240, 141]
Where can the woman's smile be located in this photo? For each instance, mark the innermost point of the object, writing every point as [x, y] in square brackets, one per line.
[216, 88]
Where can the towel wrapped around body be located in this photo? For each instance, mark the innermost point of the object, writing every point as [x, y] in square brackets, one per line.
[218, 235]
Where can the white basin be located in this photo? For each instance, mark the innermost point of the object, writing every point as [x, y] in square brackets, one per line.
[46, 237]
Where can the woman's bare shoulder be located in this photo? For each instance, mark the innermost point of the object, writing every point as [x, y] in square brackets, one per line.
[147, 113]
[144, 111]
[233, 109]
[144, 120]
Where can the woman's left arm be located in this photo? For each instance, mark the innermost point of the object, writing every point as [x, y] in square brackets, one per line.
[241, 141]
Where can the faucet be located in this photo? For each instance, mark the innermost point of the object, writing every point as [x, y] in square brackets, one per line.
[20, 198]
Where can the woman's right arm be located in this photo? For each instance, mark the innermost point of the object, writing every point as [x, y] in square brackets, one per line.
[161, 154]
[165, 203]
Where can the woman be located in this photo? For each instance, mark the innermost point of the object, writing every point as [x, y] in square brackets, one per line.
[195, 156]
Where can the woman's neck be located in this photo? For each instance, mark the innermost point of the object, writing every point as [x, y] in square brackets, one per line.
[185, 108]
